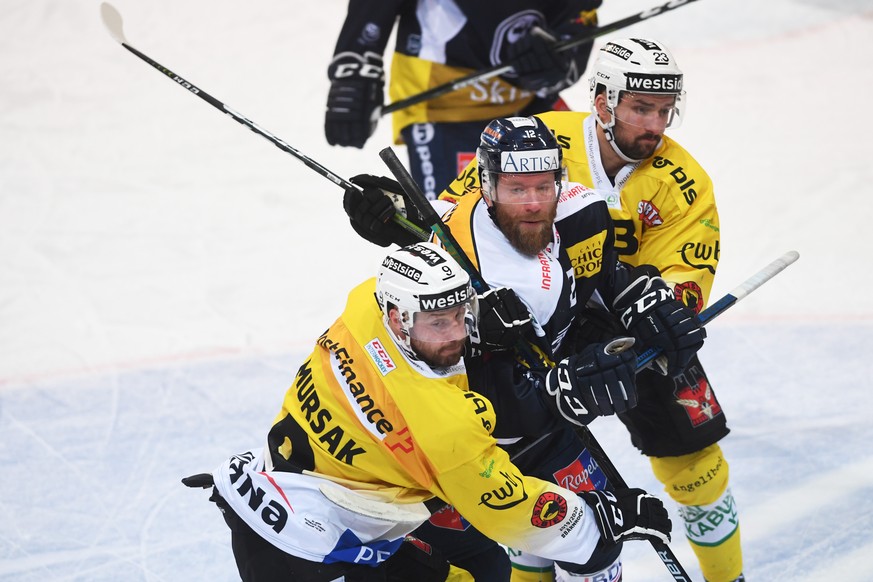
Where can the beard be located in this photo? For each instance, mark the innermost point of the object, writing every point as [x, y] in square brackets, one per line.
[527, 240]
[640, 148]
[439, 354]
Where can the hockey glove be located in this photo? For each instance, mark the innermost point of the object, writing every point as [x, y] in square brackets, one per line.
[503, 319]
[536, 62]
[356, 87]
[649, 310]
[370, 210]
[599, 381]
[545, 70]
[629, 514]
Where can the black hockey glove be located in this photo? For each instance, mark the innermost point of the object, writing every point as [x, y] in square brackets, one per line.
[599, 381]
[356, 87]
[649, 310]
[629, 514]
[370, 213]
[536, 62]
[503, 319]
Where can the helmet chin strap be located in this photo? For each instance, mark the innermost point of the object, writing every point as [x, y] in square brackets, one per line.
[487, 196]
[403, 340]
[610, 137]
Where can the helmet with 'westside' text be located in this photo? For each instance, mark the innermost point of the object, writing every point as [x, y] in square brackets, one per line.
[635, 65]
[423, 277]
[634, 68]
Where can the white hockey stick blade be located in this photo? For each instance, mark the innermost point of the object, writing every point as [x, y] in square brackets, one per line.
[412, 514]
[747, 287]
[112, 21]
[765, 274]
[729, 299]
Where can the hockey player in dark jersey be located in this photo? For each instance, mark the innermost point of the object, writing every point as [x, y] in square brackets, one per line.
[552, 244]
[438, 42]
[662, 202]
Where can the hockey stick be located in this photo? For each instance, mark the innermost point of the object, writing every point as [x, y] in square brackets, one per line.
[114, 24]
[723, 304]
[497, 70]
[714, 310]
[433, 220]
[436, 224]
[706, 316]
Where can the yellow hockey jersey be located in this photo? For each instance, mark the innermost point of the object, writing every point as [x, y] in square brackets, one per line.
[663, 209]
[362, 411]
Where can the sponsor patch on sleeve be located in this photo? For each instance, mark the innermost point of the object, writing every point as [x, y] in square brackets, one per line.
[649, 213]
[380, 356]
[690, 294]
[549, 510]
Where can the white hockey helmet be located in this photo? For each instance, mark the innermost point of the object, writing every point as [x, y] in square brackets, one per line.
[635, 65]
[423, 277]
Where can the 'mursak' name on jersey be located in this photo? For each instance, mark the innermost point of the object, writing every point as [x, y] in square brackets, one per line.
[343, 448]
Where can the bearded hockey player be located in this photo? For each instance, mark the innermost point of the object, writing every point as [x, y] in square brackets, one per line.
[381, 418]
[665, 214]
[546, 249]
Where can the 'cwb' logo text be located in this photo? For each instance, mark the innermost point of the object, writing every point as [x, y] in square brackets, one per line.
[655, 83]
[524, 162]
[444, 300]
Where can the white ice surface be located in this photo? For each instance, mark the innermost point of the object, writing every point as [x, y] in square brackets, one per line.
[163, 271]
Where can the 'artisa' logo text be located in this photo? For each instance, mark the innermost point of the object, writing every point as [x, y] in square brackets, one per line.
[523, 162]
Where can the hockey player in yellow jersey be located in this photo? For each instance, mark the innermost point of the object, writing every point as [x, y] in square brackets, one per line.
[379, 419]
[545, 246]
[665, 214]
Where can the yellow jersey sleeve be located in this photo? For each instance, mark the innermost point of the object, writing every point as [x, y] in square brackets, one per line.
[523, 512]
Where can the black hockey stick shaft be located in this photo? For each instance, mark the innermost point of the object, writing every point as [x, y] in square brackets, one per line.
[497, 70]
[113, 21]
[433, 220]
[663, 550]
[436, 224]
[729, 299]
